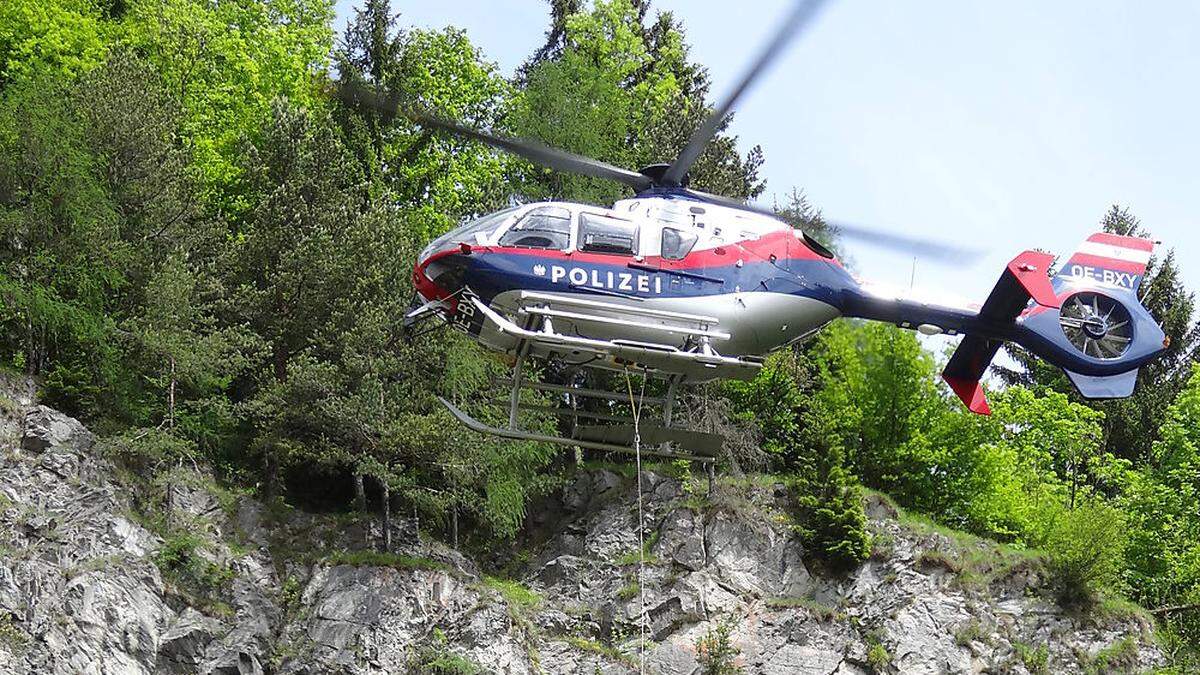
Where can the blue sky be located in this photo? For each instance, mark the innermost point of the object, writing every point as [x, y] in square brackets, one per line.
[999, 125]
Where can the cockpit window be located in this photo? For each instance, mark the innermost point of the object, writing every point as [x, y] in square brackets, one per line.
[676, 244]
[543, 227]
[466, 233]
[601, 234]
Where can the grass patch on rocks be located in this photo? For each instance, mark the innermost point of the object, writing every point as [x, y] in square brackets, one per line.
[368, 558]
[632, 557]
[821, 611]
[518, 596]
[200, 581]
[11, 636]
[593, 647]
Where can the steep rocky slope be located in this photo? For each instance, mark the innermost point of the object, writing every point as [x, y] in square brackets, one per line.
[102, 572]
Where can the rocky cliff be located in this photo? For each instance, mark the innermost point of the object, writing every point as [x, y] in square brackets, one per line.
[104, 571]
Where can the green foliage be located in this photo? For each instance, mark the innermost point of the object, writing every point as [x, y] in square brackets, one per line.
[621, 91]
[62, 38]
[1119, 657]
[715, 650]
[1035, 659]
[594, 647]
[820, 611]
[629, 591]
[878, 656]
[436, 658]
[1164, 534]
[1084, 549]
[517, 595]
[180, 560]
[10, 636]
[799, 437]
[972, 631]
[228, 80]
[832, 522]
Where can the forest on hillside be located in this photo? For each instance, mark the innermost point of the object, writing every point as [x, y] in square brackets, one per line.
[204, 255]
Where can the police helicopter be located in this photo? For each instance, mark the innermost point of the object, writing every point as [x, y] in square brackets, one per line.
[690, 286]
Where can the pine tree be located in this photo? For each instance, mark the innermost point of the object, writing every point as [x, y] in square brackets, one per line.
[613, 88]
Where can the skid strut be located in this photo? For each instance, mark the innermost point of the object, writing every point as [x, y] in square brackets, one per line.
[604, 431]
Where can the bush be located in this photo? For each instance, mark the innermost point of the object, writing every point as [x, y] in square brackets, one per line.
[878, 657]
[1084, 549]
[831, 520]
[715, 651]
[436, 658]
[180, 561]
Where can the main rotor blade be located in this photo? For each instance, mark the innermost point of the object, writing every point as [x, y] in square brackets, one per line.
[801, 16]
[926, 249]
[533, 151]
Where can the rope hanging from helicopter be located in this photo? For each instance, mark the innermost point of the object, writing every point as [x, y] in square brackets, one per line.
[636, 407]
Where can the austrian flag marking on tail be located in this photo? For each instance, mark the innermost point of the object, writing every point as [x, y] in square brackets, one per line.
[1109, 259]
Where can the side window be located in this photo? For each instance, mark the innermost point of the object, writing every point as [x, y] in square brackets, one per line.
[676, 244]
[601, 234]
[544, 227]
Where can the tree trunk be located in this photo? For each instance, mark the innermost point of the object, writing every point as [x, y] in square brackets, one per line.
[360, 492]
[270, 476]
[454, 525]
[279, 360]
[30, 348]
[360, 505]
[171, 397]
[387, 517]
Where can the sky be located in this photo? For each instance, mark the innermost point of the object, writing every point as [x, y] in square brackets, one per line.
[998, 126]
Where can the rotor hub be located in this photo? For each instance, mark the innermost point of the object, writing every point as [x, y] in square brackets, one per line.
[1095, 327]
[656, 173]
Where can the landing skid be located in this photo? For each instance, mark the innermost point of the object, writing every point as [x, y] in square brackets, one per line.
[623, 434]
[603, 429]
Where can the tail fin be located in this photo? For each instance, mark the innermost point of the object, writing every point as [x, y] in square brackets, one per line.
[1108, 259]
[1087, 320]
[1114, 265]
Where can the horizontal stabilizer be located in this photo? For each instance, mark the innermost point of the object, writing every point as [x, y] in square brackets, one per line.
[1110, 386]
[966, 367]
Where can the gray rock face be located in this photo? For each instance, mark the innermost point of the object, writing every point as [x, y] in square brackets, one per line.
[81, 589]
[47, 430]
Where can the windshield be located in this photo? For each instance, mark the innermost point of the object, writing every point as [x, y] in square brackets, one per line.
[466, 233]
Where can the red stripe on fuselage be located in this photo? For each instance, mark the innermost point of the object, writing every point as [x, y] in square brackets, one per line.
[1136, 243]
[774, 243]
[1105, 263]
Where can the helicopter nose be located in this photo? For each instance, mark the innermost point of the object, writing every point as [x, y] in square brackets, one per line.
[440, 275]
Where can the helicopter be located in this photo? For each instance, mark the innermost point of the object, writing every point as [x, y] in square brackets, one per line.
[689, 286]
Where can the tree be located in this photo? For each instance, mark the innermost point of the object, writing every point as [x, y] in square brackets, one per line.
[56, 39]
[437, 178]
[291, 266]
[800, 213]
[95, 193]
[227, 62]
[613, 89]
[1163, 556]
